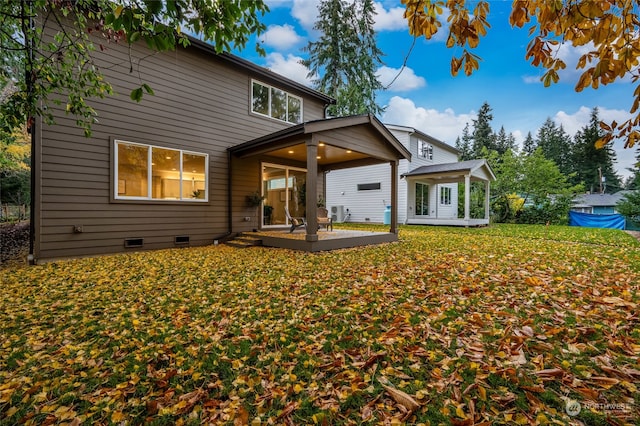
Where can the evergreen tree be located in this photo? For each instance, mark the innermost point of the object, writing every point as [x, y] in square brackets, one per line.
[594, 166]
[346, 56]
[529, 144]
[634, 180]
[483, 136]
[464, 144]
[555, 144]
[504, 142]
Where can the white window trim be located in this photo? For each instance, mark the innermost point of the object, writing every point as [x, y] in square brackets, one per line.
[269, 115]
[118, 197]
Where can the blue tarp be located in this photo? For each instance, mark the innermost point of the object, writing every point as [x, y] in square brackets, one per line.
[614, 221]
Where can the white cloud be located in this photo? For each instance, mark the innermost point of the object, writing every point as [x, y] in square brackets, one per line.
[389, 20]
[281, 37]
[579, 119]
[443, 125]
[531, 79]
[306, 12]
[289, 67]
[407, 81]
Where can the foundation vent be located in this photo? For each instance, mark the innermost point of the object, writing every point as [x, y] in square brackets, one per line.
[181, 239]
[133, 242]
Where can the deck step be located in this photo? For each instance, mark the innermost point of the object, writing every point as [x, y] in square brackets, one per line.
[244, 241]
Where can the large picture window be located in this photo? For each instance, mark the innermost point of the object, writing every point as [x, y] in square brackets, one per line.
[275, 103]
[147, 172]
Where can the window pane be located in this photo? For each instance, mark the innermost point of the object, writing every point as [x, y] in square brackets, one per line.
[193, 176]
[165, 172]
[278, 104]
[260, 100]
[422, 199]
[295, 115]
[132, 170]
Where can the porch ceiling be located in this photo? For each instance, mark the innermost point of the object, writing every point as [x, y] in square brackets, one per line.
[327, 154]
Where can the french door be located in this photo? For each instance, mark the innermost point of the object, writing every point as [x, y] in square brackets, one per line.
[282, 187]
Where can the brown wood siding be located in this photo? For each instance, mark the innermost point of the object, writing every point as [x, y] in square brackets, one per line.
[201, 104]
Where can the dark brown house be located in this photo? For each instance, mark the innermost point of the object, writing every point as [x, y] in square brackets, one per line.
[177, 168]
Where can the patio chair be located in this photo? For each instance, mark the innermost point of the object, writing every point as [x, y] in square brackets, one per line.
[296, 222]
[324, 219]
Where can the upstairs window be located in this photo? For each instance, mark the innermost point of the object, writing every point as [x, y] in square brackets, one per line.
[275, 103]
[425, 150]
[146, 172]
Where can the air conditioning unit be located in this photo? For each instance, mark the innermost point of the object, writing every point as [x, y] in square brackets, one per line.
[337, 213]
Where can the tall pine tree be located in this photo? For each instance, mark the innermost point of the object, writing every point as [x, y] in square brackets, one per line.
[345, 57]
[556, 145]
[529, 145]
[483, 136]
[634, 180]
[594, 166]
[464, 144]
[504, 141]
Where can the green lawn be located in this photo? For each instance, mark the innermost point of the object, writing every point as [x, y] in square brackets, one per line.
[500, 325]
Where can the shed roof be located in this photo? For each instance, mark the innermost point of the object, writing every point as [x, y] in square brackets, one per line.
[468, 166]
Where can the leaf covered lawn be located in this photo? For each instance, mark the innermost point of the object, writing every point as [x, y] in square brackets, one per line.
[451, 326]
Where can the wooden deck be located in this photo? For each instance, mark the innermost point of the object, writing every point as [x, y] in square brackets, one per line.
[327, 240]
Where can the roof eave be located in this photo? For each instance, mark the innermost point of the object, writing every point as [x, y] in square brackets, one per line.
[261, 71]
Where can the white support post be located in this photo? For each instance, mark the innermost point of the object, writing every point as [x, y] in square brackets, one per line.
[487, 199]
[467, 196]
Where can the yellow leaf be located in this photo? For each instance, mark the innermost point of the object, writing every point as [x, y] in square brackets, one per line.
[482, 392]
[11, 411]
[117, 416]
[600, 143]
[118, 11]
[460, 412]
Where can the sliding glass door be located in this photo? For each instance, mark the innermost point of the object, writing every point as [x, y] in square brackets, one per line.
[283, 187]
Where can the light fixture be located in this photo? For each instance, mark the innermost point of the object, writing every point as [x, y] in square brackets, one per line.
[167, 158]
[349, 151]
[318, 157]
[321, 144]
[290, 151]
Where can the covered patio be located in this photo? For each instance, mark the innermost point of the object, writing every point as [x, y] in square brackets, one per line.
[287, 168]
[462, 172]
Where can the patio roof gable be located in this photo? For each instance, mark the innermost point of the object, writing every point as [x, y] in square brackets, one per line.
[368, 135]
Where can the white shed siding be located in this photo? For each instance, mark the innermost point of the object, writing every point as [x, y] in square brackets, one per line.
[363, 206]
[368, 206]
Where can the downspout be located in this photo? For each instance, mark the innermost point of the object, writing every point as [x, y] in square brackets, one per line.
[229, 192]
[31, 127]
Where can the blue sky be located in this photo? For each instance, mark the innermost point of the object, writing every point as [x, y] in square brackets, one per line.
[427, 97]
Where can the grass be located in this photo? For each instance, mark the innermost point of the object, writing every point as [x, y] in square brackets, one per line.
[501, 324]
